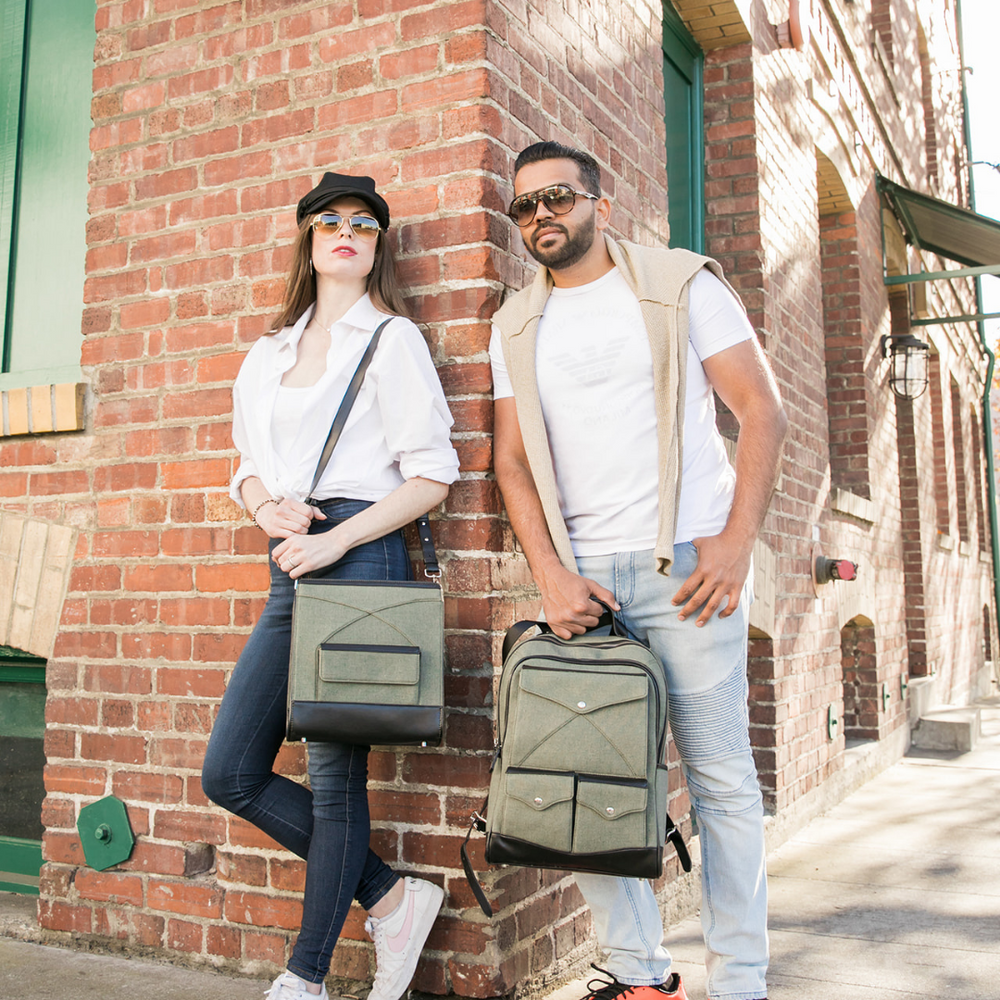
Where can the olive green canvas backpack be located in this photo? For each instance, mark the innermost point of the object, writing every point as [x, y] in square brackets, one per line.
[579, 780]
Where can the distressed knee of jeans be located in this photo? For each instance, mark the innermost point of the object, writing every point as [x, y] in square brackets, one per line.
[713, 724]
[725, 787]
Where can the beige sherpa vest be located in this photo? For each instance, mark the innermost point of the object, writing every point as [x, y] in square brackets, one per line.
[660, 279]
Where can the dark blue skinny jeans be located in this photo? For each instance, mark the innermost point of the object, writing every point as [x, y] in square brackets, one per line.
[327, 823]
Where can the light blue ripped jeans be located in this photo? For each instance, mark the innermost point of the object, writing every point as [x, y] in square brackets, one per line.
[707, 686]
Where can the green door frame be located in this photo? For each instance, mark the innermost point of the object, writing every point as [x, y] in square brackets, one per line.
[684, 114]
[20, 858]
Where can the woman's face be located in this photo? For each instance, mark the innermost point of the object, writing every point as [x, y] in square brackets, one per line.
[343, 256]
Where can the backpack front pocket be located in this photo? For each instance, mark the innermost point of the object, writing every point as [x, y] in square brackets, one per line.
[538, 808]
[610, 816]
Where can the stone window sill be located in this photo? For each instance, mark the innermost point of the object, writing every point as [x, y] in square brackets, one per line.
[42, 409]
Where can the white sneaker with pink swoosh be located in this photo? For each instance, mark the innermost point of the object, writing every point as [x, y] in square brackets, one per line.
[399, 938]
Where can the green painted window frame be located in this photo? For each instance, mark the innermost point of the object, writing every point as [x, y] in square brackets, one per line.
[683, 69]
[20, 858]
[12, 36]
[46, 65]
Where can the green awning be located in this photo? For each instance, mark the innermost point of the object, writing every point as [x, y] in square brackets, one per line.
[938, 227]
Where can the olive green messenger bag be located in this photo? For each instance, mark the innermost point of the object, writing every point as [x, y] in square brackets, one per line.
[367, 657]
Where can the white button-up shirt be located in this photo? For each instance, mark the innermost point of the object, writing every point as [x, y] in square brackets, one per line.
[398, 427]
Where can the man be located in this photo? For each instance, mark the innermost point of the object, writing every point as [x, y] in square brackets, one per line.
[617, 484]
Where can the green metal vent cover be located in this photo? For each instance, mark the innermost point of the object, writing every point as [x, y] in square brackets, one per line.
[105, 833]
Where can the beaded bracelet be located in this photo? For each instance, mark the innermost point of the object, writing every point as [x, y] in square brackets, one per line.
[253, 516]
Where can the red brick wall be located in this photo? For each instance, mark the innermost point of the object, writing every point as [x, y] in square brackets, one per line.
[913, 475]
[846, 391]
[797, 103]
[959, 431]
[732, 169]
[942, 480]
[957, 571]
[883, 24]
[209, 122]
[861, 688]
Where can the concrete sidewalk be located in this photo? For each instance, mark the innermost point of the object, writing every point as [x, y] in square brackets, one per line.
[892, 895]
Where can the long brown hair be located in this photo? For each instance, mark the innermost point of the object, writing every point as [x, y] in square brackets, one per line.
[383, 283]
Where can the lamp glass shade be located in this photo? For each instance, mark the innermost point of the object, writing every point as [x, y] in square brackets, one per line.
[908, 375]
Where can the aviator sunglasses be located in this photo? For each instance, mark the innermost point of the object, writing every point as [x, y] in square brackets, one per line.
[329, 224]
[558, 199]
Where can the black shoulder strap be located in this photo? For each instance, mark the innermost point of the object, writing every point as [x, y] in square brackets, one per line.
[477, 823]
[431, 567]
[514, 633]
[344, 410]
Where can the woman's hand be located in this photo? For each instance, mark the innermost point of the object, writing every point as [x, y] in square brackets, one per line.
[287, 517]
[301, 554]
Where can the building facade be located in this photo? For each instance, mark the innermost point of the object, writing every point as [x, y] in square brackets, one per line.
[148, 212]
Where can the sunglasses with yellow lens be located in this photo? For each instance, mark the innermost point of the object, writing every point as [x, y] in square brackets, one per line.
[363, 226]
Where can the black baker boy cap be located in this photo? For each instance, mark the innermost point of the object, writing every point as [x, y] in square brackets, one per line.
[334, 186]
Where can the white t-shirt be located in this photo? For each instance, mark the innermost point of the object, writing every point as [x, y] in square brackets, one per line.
[595, 382]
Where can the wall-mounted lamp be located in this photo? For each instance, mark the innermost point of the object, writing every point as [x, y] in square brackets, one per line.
[980, 163]
[908, 375]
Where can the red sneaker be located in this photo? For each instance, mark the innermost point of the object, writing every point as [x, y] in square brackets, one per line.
[672, 989]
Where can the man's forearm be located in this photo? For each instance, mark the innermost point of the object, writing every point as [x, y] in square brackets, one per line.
[743, 380]
[758, 460]
[566, 596]
[527, 518]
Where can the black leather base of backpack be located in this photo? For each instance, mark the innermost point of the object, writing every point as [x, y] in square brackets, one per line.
[630, 863]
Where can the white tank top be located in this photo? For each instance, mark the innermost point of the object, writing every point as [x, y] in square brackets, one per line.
[286, 420]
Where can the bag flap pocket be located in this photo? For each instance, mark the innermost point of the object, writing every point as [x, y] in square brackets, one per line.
[584, 692]
[362, 664]
[583, 721]
[539, 791]
[611, 800]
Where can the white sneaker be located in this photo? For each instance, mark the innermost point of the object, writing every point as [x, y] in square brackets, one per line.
[288, 986]
[399, 938]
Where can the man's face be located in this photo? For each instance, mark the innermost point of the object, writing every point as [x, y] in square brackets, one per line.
[556, 241]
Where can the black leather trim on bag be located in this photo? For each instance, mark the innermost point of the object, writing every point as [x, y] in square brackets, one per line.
[341, 722]
[631, 863]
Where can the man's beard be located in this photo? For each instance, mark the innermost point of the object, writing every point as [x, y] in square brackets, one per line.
[573, 249]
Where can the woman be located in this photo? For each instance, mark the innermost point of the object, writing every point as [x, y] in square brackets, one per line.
[393, 462]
